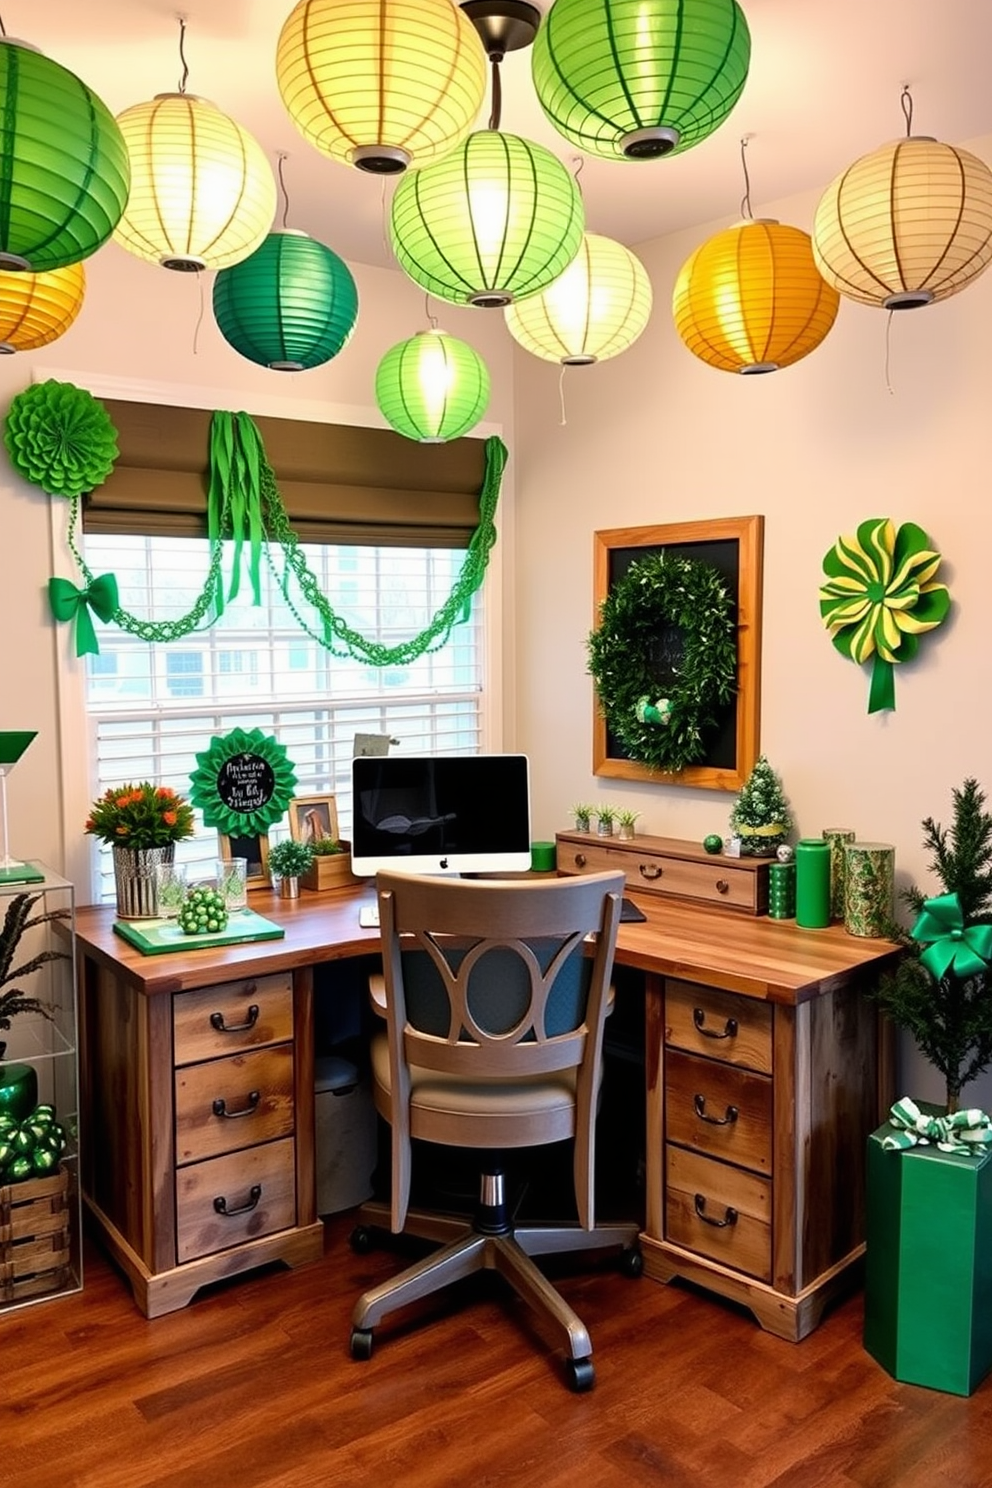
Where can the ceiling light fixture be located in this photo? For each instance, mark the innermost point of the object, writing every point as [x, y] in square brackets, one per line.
[636, 79]
[750, 299]
[64, 169]
[594, 310]
[381, 84]
[908, 224]
[499, 217]
[432, 388]
[202, 192]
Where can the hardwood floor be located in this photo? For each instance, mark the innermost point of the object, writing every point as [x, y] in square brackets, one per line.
[252, 1386]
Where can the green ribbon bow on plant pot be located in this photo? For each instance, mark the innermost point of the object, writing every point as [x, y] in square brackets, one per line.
[67, 603]
[952, 947]
[963, 1131]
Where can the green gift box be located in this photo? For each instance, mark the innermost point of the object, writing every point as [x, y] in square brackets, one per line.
[928, 1268]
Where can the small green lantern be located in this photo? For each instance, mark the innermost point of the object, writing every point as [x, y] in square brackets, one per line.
[636, 79]
[64, 168]
[290, 305]
[432, 388]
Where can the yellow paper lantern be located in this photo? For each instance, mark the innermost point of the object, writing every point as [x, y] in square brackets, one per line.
[907, 225]
[750, 298]
[36, 309]
[594, 310]
[202, 192]
[381, 84]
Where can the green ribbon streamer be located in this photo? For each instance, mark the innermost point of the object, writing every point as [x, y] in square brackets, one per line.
[882, 689]
[235, 494]
[67, 603]
[952, 947]
[965, 1131]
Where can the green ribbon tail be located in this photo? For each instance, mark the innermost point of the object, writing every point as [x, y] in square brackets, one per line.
[882, 693]
[251, 442]
[221, 441]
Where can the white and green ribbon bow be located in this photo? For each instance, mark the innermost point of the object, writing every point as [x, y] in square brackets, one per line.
[965, 1131]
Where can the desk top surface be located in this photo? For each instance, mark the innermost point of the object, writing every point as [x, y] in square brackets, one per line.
[773, 960]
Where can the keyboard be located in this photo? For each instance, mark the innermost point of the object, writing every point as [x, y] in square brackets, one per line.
[368, 916]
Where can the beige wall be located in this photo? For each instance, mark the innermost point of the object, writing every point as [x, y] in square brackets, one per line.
[655, 436]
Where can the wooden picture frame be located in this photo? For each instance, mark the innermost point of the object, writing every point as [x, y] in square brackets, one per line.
[312, 818]
[735, 546]
[255, 848]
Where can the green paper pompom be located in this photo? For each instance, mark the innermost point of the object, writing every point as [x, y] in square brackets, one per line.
[61, 438]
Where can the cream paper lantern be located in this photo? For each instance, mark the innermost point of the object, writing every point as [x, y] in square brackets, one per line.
[594, 310]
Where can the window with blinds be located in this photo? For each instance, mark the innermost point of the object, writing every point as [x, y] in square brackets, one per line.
[152, 708]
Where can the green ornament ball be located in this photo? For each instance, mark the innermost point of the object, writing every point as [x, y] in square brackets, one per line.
[203, 912]
[713, 843]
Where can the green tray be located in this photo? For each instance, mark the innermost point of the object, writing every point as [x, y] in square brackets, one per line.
[156, 937]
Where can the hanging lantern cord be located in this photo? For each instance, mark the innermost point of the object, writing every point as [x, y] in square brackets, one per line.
[906, 104]
[432, 319]
[746, 198]
[182, 54]
[3, 28]
[282, 186]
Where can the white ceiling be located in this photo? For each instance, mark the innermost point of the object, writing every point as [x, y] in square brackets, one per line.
[823, 89]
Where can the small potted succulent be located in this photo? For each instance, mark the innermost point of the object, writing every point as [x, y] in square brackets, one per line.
[625, 824]
[583, 817]
[288, 861]
[605, 817]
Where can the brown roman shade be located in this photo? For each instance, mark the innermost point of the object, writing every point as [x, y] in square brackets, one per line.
[339, 483]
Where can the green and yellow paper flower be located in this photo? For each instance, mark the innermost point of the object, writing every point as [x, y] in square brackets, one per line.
[880, 596]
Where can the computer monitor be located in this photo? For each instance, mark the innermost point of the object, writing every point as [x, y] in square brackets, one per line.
[440, 813]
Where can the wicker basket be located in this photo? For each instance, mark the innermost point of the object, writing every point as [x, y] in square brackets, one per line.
[34, 1237]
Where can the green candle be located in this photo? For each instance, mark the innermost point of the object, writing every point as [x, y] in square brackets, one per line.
[812, 883]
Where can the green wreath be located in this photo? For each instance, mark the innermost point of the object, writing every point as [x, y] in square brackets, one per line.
[243, 782]
[661, 720]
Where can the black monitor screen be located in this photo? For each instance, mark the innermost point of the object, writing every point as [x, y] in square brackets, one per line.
[440, 814]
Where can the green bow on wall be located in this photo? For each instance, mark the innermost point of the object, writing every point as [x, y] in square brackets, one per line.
[68, 603]
[951, 946]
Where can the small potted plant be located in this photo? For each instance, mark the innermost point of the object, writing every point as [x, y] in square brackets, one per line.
[288, 860]
[583, 817]
[625, 823]
[605, 817]
[761, 817]
[142, 823]
[19, 1082]
[331, 865]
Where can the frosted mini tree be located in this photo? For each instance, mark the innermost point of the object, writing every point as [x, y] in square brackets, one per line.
[761, 817]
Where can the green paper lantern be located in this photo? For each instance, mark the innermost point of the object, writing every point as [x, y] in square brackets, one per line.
[432, 388]
[64, 169]
[61, 438]
[636, 79]
[496, 220]
[291, 305]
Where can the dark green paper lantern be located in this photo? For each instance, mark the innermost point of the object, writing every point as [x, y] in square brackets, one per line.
[637, 79]
[290, 305]
[432, 388]
[64, 168]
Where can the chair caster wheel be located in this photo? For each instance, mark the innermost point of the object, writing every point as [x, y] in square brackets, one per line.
[580, 1374]
[360, 1240]
[361, 1343]
[631, 1262]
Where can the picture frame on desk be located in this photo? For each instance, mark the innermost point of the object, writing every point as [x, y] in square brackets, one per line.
[255, 850]
[313, 818]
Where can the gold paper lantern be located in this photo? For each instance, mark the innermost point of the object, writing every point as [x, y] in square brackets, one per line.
[36, 309]
[381, 84]
[202, 192]
[594, 310]
[750, 298]
[907, 225]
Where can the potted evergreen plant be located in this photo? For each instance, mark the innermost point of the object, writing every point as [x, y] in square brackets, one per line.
[288, 860]
[761, 817]
[18, 1082]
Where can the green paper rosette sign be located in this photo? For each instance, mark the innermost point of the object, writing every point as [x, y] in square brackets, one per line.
[880, 597]
[243, 783]
[61, 438]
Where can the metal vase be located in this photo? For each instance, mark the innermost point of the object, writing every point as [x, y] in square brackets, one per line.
[134, 876]
[289, 888]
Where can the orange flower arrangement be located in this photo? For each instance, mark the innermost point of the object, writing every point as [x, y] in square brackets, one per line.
[142, 815]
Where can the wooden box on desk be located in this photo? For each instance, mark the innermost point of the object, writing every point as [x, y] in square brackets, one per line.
[330, 871]
[671, 868]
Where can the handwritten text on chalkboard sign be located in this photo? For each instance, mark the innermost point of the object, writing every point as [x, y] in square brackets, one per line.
[246, 782]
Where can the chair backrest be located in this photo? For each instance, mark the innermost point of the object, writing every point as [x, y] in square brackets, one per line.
[492, 980]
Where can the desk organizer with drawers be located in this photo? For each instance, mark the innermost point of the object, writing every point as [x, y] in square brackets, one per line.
[670, 868]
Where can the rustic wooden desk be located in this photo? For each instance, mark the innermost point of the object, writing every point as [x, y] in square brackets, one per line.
[765, 1073]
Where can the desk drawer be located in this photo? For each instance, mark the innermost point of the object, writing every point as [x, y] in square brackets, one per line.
[719, 1211]
[227, 1104]
[257, 1188]
[234, 1015]
[725, 882]
[719, 1110]
[719, 1025]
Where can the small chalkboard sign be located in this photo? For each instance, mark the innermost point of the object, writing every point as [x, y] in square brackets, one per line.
[243, 783]
[246, 782]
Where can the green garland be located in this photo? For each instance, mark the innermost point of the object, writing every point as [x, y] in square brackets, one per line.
[661, 720]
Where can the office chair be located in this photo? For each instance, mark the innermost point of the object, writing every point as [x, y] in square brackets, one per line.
[495, 1001]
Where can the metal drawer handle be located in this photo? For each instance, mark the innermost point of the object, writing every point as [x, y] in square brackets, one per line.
[722, 886]
[730, 1215]
[729, 1028]
[220, 1106]
[650, 871]
[217, 1021]
[699, 1102]
[220, 1203]
[580, 860]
